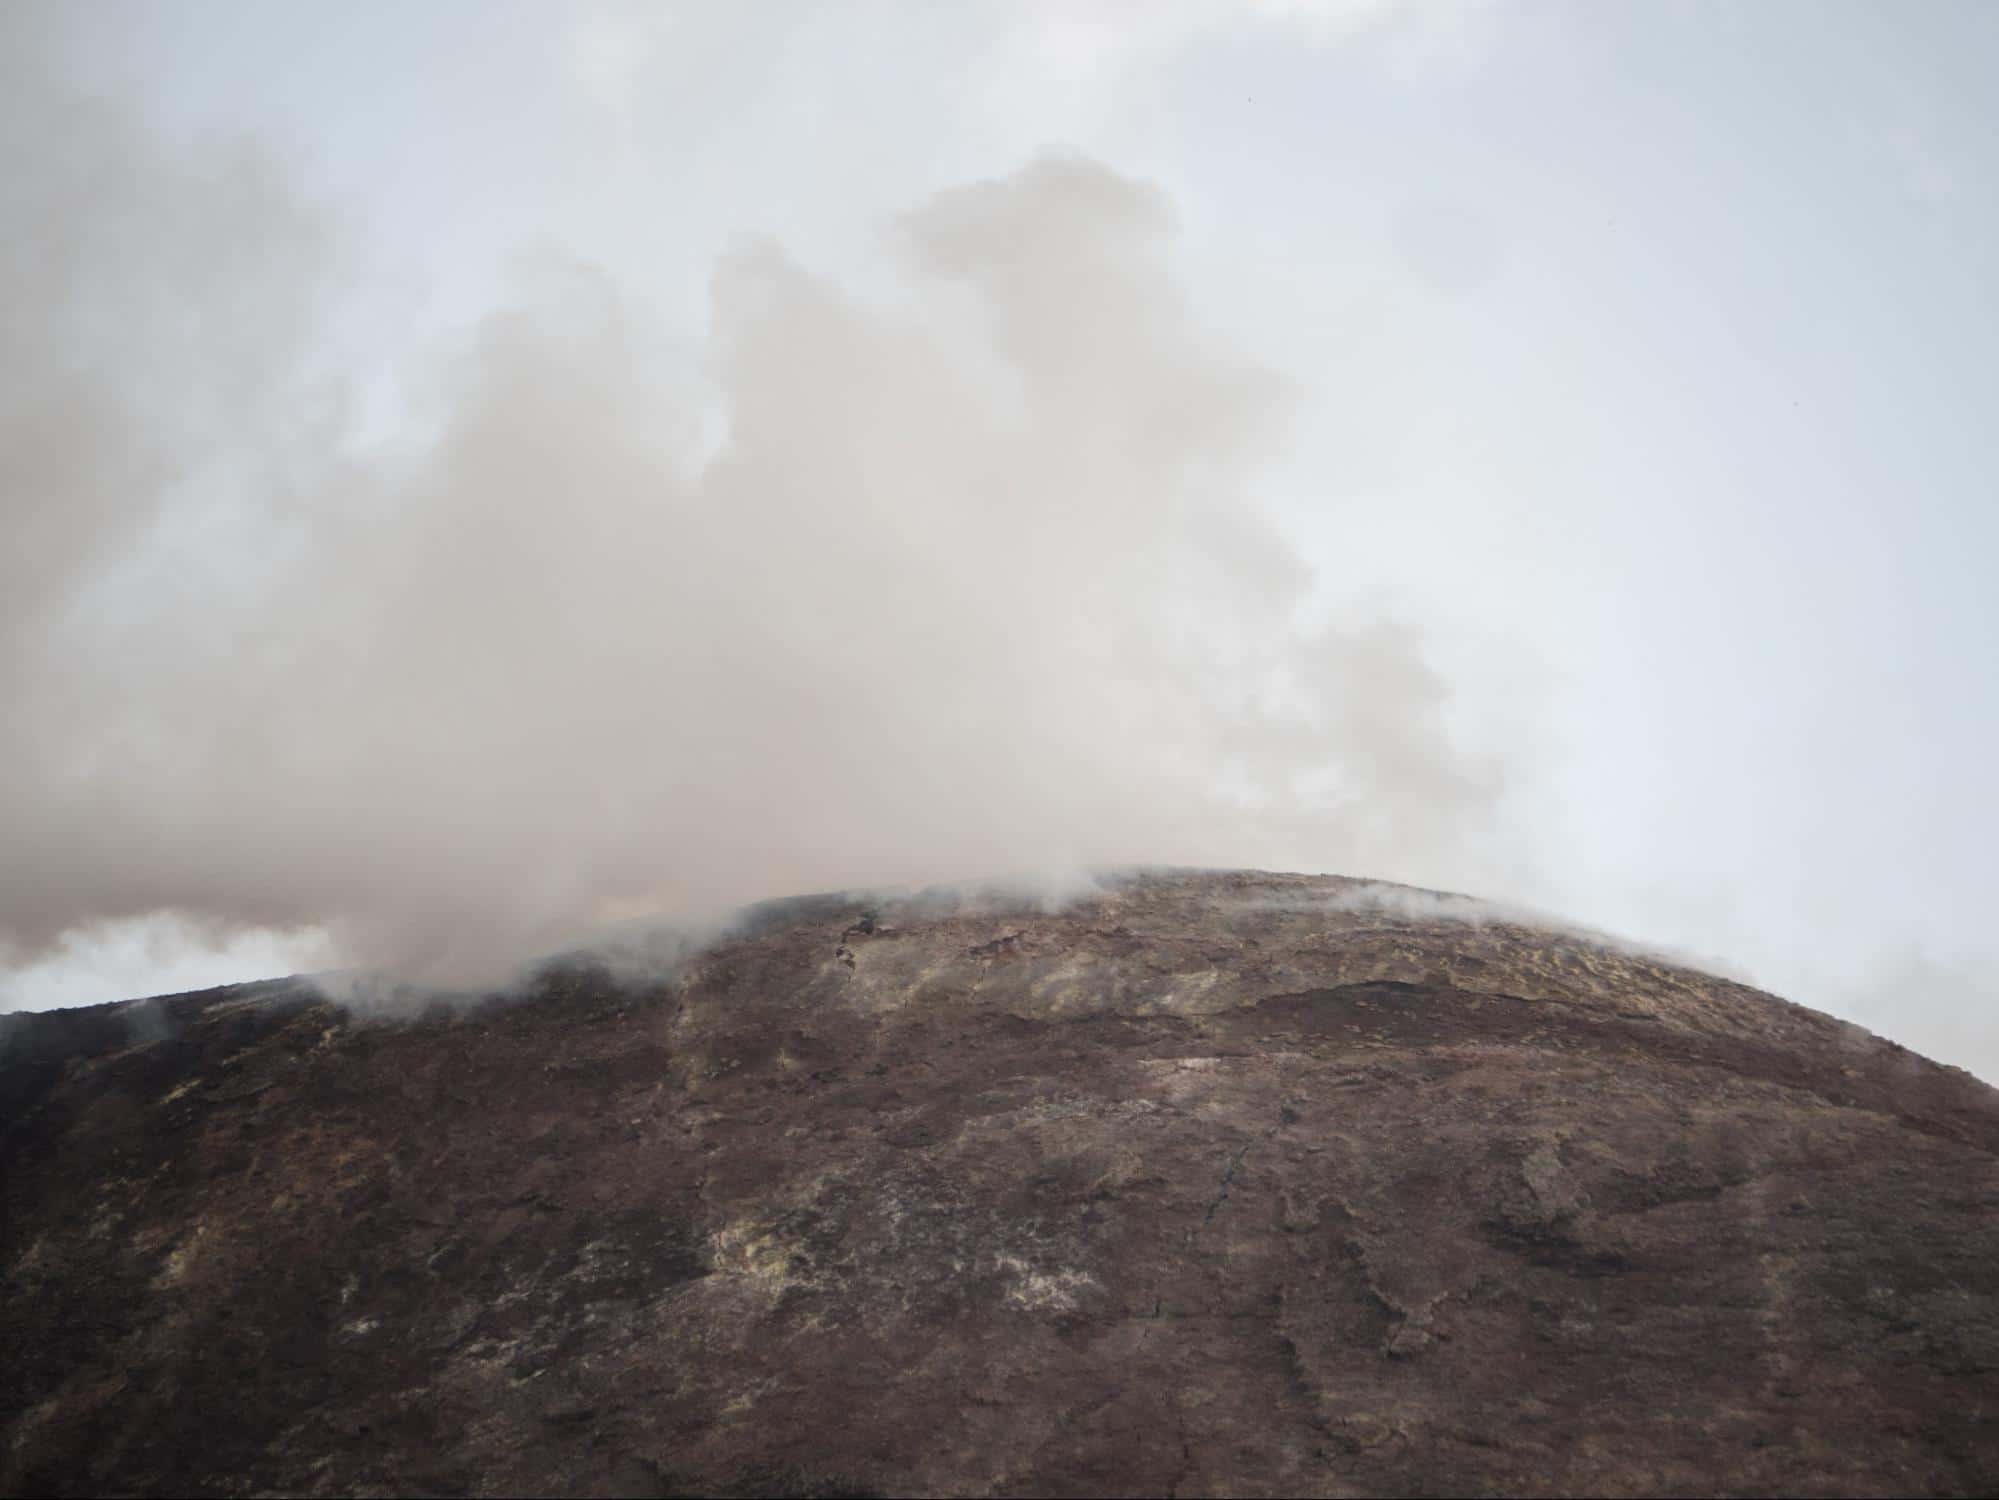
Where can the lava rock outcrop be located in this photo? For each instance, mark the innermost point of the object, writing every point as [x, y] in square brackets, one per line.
[1204, 1184]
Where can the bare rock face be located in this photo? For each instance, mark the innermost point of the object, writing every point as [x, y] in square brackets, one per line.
[1213, 1184]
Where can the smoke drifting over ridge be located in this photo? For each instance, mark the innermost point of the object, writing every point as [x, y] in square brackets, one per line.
[971, 582]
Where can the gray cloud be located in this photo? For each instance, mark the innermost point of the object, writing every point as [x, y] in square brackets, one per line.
[971, 583]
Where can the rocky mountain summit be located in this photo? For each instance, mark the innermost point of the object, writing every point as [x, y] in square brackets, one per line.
[1202, 1184]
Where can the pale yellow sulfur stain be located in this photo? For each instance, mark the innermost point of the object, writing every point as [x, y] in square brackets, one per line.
[179, 1260]
[1043, 1291]
[752, 1252]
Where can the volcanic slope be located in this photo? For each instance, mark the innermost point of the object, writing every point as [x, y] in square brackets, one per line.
[1203, 1184]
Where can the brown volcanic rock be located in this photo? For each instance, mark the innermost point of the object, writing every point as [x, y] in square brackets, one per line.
[1214, 1184]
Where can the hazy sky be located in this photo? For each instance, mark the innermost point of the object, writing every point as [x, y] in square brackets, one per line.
[474, 470]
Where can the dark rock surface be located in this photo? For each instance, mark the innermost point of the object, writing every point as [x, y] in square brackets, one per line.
[1218, 1184]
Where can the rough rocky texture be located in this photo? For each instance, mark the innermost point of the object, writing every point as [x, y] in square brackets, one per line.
[1216, 1184]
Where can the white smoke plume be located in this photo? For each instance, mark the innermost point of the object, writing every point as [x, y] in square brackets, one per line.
[972, 580]
[1417, 907]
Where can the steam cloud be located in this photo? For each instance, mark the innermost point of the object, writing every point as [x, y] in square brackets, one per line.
[971, 582]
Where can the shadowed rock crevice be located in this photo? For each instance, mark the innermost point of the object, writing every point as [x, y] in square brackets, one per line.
[1207, 1183]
